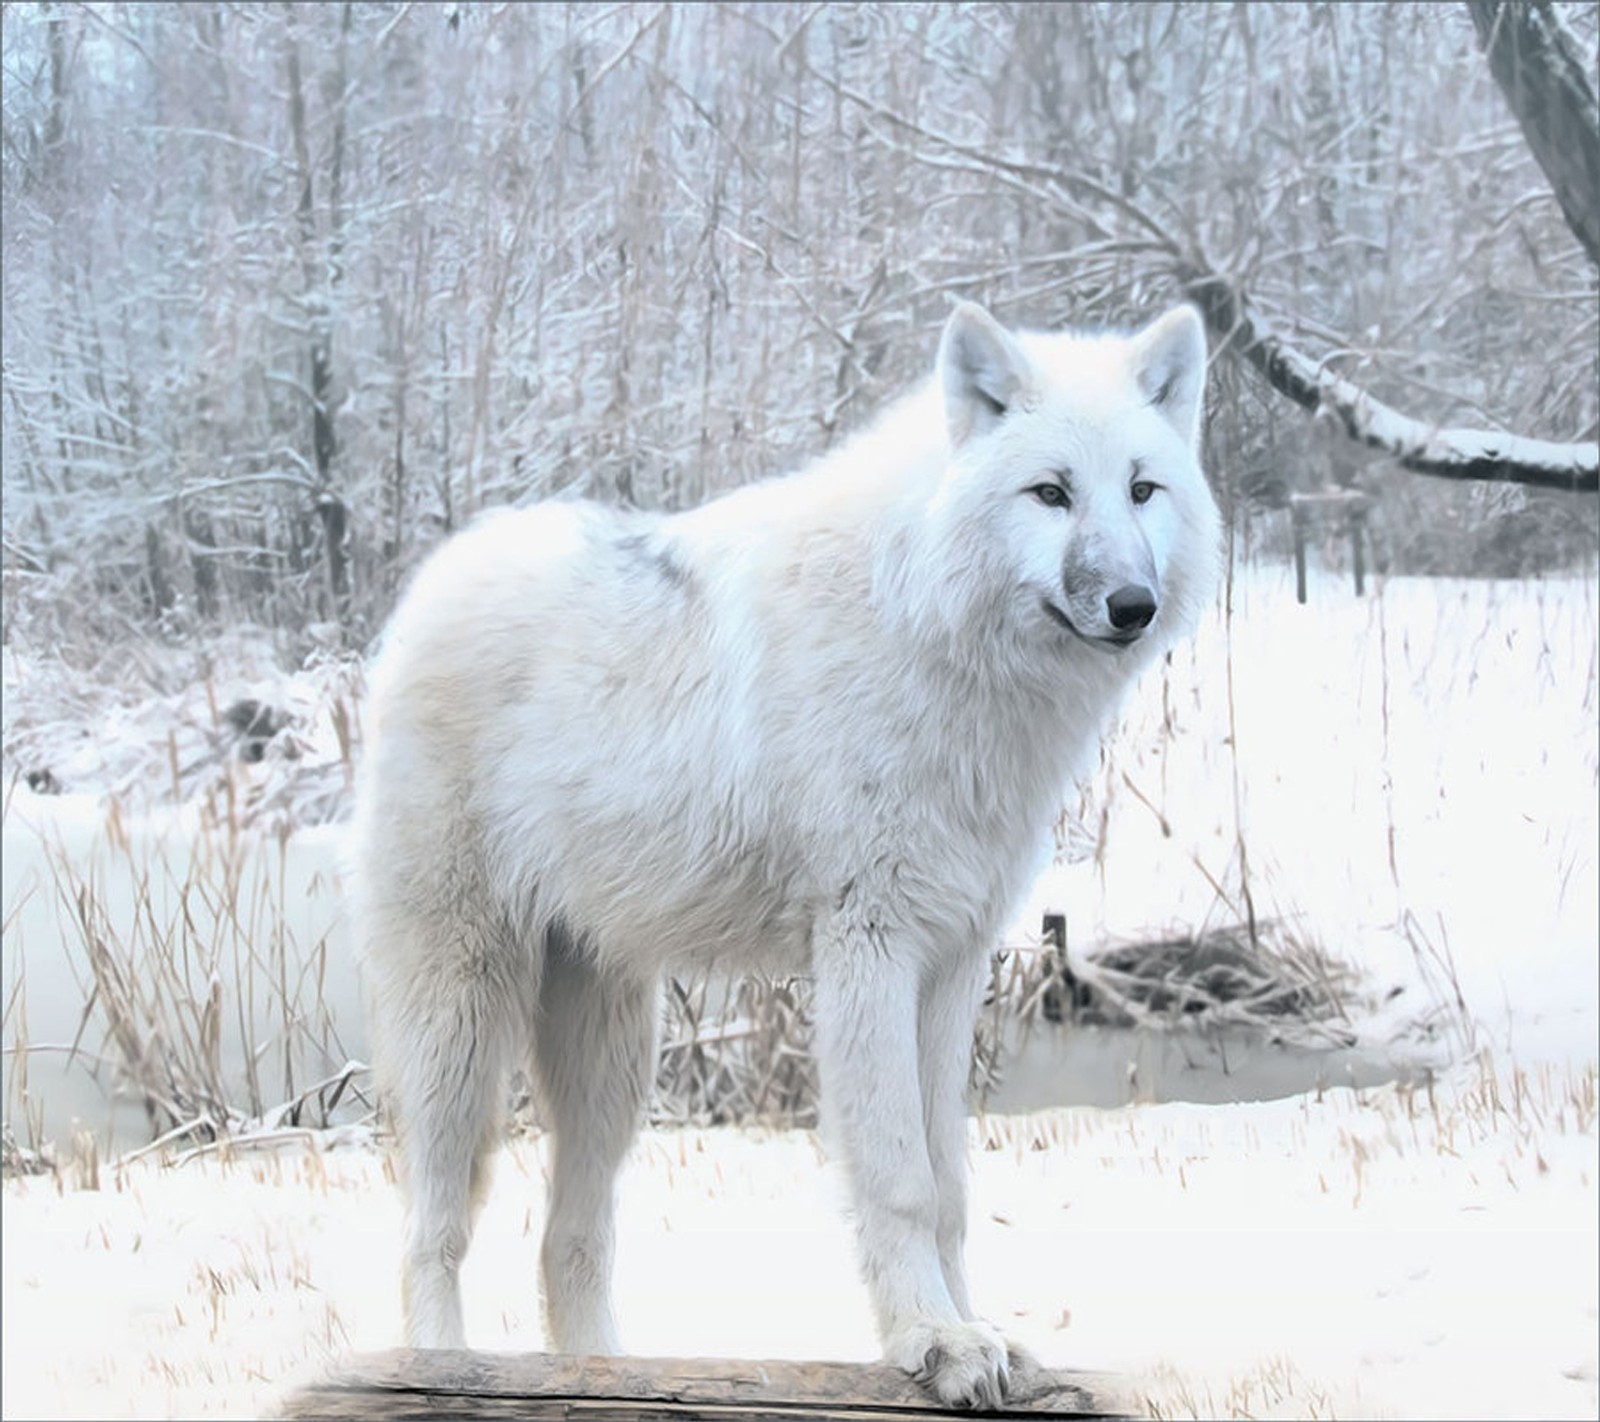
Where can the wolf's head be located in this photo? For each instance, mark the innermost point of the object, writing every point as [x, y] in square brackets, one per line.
[1075, 476]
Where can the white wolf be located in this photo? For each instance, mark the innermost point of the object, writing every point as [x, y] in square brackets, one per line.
[818, 724]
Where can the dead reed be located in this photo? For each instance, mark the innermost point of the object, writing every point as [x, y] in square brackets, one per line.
[200, 1001]
[741, 1052]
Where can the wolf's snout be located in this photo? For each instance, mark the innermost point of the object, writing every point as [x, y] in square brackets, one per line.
[1131, 608]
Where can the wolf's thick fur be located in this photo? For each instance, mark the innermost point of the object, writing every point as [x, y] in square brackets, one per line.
[821, 723]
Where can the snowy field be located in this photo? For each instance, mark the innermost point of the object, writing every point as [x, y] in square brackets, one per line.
[1373, 1255]
[1413, 777]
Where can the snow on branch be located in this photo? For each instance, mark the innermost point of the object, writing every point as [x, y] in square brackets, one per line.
[1415, 444]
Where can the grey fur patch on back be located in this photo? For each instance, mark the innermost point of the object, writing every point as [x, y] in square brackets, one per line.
[647, 550]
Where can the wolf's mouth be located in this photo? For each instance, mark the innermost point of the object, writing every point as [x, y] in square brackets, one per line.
[1116, 642]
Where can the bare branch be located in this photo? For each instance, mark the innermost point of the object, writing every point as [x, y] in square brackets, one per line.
[1423, 448]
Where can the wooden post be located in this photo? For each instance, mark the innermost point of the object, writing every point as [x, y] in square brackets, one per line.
[540, 1386]
[1054, 933]
[1358, 518]
[1299, 523]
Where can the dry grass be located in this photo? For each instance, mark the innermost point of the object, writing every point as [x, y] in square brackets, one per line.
[1276, 1388]
[18, 1159]
[198, 999]
[206, 952]
[1271, 980]
[202, 954]
[744, 1055]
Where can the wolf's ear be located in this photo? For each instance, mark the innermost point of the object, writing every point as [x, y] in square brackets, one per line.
[1169, 361]
[982, 369]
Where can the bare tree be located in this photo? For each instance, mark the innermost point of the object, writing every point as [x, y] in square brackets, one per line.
[292, 292]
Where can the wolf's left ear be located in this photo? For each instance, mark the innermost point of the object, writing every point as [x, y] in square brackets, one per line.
[1169, 361]
[982, 369]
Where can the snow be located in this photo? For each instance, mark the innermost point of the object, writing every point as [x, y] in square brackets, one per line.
[1361, 1254]
[146, 716]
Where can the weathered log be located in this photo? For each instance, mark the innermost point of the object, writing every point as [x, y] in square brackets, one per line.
[537, 1386]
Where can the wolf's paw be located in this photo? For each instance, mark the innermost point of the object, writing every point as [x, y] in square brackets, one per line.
[961, 1364]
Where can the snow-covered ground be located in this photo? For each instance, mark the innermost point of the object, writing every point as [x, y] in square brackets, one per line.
[1413, 777]
[1371, 1255]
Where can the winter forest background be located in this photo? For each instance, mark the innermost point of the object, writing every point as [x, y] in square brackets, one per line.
[292, 291]
[1300, 1020]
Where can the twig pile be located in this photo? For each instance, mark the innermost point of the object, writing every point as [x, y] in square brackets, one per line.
[744, 1055]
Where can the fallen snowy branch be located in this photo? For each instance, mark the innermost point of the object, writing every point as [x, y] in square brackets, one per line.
[1414, 444]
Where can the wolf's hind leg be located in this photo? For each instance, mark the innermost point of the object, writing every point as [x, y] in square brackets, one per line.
[444, 1039]
[594, 1048]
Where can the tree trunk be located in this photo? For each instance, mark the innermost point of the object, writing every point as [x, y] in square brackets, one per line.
[330, 506]
[1538, 68]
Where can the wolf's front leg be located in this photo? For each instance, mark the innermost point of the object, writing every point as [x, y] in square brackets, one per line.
[947, 1008]
[867, 1008]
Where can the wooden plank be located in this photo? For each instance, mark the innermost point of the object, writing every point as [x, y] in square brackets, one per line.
[540, 1386]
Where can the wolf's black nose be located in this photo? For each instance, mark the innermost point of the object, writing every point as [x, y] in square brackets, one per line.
[1131, 608]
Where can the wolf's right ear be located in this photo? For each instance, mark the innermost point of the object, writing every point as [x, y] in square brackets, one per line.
[982, 369]
[1169, 360]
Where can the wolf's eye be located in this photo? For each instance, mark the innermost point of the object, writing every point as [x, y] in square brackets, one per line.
[1052, 496]
[1141, 489]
